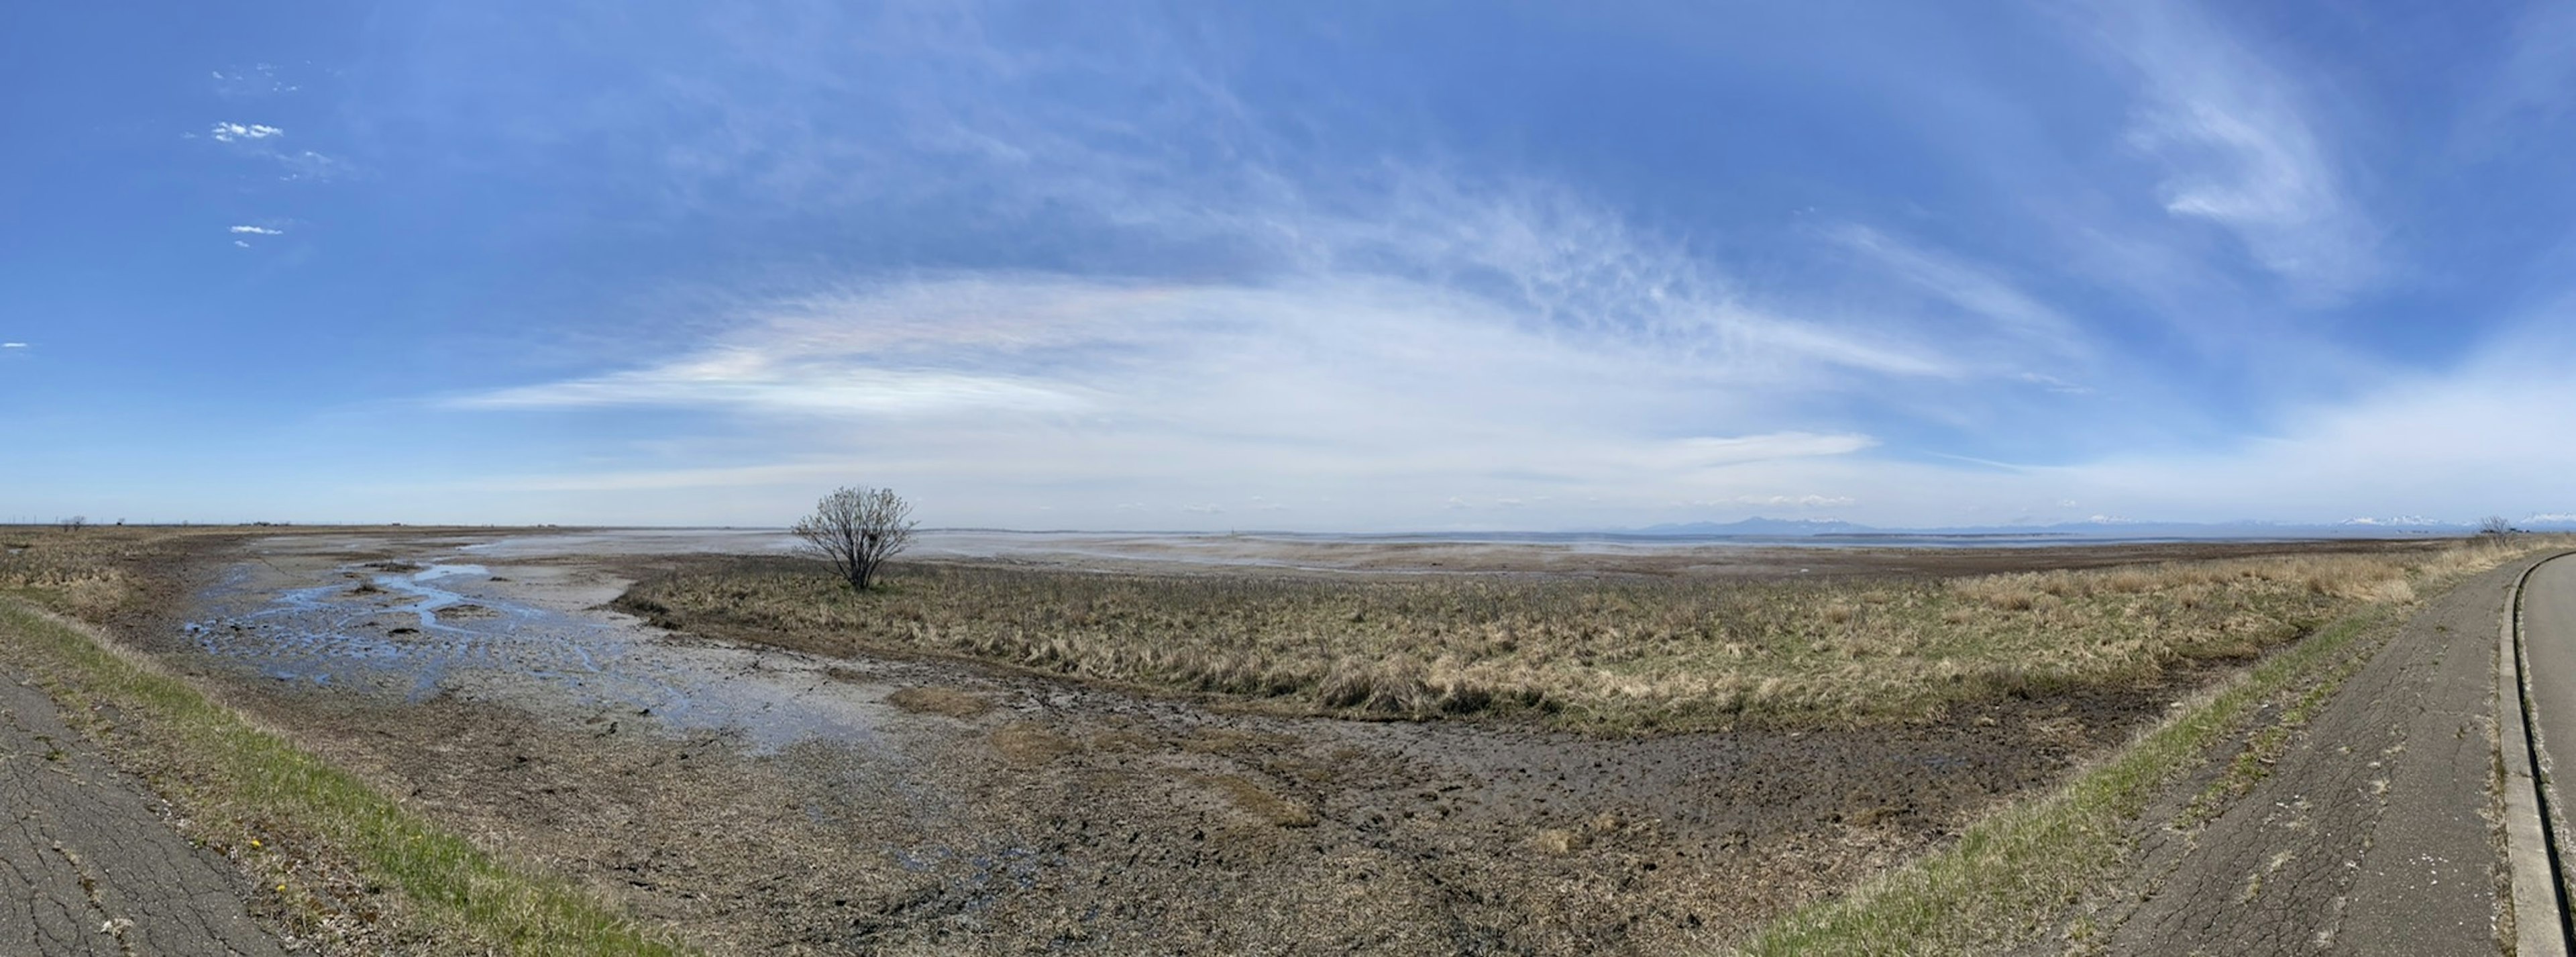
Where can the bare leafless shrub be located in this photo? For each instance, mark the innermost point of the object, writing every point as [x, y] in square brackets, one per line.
[856, 530]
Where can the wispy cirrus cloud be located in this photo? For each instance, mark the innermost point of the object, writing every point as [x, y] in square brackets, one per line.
[760, 381]
[258, 231]
[263, 141]
[1010, 130]
[1191, 302]
[247, 82]
[244, 132]
[1404, 323]
[2241, 151]
[1974, 289]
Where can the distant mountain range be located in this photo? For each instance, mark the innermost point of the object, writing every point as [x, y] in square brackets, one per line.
[2354, 528]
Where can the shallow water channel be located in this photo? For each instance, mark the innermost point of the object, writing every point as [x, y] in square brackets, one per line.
[418, 631]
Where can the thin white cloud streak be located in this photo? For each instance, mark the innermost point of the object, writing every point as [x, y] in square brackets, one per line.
[244, 132]
[1696, 454]
[2240, 152]
[259, 231]
[1543, 257]
[253, 81]
[261, 140]
[1974, 290]
[13, 345]
[758, 383]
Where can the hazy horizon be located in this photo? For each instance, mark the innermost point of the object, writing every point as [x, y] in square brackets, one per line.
[1329, 268]
[1756, 528]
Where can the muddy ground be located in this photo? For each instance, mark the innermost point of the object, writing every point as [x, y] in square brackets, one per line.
[762, 801]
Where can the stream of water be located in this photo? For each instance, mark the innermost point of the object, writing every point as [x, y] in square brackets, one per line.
[418, 632]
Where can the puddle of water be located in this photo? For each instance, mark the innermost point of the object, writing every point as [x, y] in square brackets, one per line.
[637, 541]
[447, 628]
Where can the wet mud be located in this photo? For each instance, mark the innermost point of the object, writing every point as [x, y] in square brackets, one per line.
[417, 631]
[757, 800]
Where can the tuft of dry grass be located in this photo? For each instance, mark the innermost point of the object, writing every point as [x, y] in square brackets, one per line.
[1030, 744]
[1608, 655]
[1255, 800]
[1559, 842]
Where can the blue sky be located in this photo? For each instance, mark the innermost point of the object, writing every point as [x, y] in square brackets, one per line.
[1291, 266]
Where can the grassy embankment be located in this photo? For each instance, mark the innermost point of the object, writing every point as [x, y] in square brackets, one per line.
[1610, 656]
[300, 826]
[2012, 875]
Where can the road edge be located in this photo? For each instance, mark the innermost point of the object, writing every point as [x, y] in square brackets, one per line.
[2531, 862]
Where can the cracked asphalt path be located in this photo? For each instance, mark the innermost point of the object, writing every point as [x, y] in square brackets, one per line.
[91, 867]
[2371, 834]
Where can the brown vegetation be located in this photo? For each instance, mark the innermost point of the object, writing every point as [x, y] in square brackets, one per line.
[1611, 655]
[79, 573]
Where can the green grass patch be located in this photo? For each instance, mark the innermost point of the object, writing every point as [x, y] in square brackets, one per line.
[2254, 761]
[240, 782]
[2010, 875]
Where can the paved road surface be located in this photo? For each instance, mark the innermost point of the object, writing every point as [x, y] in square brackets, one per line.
[2549, 642]
[87, 866]
[2370, 835]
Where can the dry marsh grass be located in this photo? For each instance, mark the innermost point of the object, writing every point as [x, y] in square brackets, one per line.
[1612, 655]
[81, 573]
